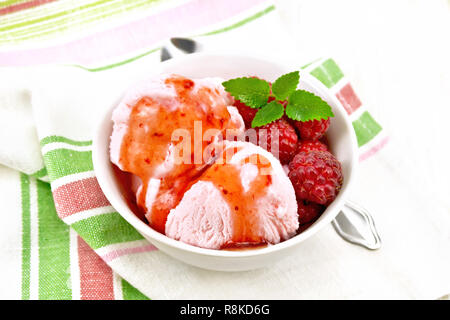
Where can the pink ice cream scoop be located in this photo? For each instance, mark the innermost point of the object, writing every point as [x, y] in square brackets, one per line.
[246, 198]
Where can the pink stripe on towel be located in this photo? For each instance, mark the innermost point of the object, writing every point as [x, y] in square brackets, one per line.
[79, 196]
[96, 277]
[121, 252]
[374, 149]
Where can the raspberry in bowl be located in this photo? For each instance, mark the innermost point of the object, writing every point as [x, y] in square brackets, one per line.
[341, 144]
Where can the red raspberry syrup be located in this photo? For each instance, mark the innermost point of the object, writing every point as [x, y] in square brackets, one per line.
[226, 177]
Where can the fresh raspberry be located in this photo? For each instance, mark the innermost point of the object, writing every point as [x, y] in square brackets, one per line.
[246, 112]
[313, 129]
[308, 145]
[308, 211]
[316, 176]
[286, 142]
[324, 140]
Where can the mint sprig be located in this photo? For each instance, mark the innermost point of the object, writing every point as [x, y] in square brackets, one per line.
[306, 106]
[301, 105]
[253, 92]
[267, 114]
[283, 87]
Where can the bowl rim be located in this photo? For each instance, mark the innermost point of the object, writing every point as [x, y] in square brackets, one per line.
[143, 228]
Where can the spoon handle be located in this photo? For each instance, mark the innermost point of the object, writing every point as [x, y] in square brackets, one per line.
[355, 225]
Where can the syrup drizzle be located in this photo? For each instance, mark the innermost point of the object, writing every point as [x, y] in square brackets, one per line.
[246, 224]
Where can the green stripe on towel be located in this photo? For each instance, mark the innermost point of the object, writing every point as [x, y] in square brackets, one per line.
[63, 162]
[366, 128]
[328, 73]
[52, 139]
[105, 229]
[242, 22]
[117, 64]
[40, 173]
[26, 235]
[54, 249]
[131, 293]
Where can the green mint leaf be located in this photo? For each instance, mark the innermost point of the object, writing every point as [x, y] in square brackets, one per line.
[252, 92]
[285, 85]
[306, 106]
[270, 112]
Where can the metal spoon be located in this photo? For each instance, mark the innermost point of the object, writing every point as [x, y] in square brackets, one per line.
[165, 55]
[353, 223]
[185, 44]
[179, 47]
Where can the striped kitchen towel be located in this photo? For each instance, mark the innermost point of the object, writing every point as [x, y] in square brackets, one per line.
[60, 238]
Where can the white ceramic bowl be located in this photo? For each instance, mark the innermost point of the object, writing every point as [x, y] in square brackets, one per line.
[341, 138]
